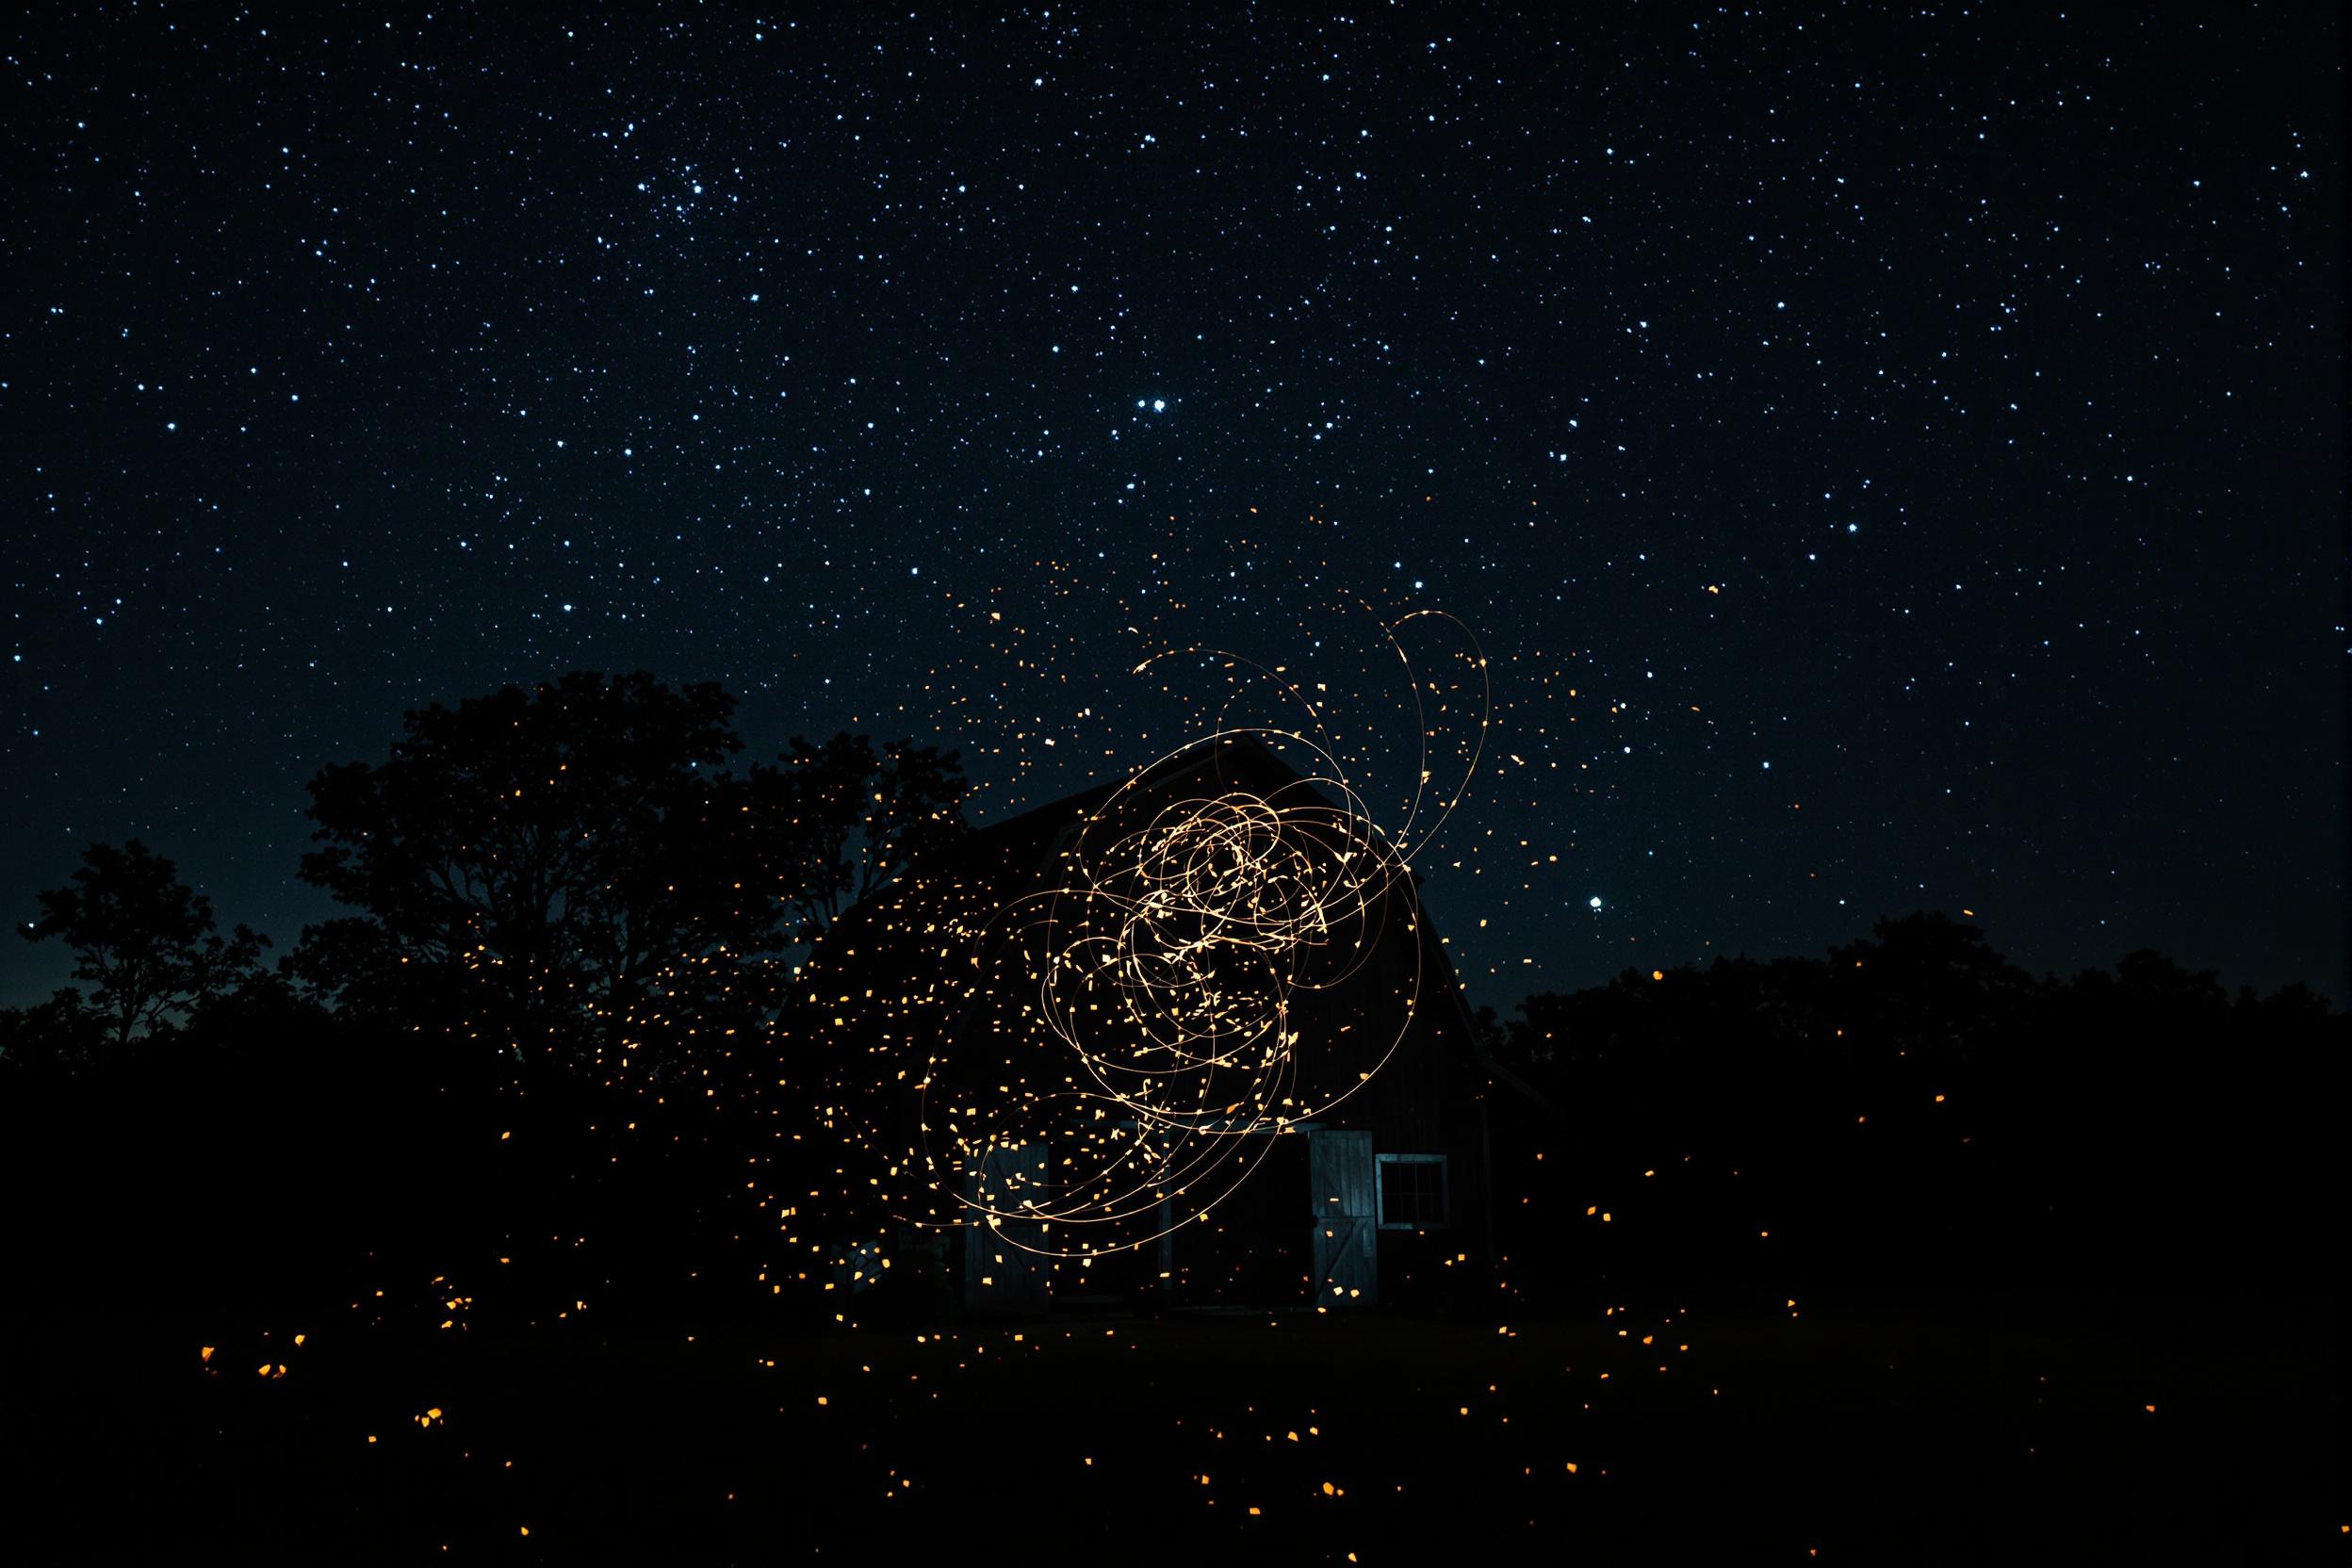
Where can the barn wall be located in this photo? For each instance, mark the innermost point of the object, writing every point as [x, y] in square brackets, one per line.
[1253, 1248]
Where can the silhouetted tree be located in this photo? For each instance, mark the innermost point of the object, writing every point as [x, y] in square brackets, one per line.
[143, 940]
[533, 863]
[532, 855]
[865, 815]
[356, 968]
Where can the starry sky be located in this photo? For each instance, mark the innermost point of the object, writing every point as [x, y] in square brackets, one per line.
[1888, 459]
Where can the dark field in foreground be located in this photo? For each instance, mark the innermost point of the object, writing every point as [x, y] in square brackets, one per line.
[1969, 1427]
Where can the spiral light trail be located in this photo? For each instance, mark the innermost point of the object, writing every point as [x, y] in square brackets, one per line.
[1084, 1064]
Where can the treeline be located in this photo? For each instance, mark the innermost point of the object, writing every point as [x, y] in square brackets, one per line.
[535, 1057]
[546, 1068]
[1915, 1109]
[576, 868]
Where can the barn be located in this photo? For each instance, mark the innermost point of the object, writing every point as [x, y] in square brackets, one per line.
[1186, 1039]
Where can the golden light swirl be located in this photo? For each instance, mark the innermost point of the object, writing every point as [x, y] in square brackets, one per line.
[1214, 956]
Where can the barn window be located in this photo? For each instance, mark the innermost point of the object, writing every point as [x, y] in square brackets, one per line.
[1413, 1191]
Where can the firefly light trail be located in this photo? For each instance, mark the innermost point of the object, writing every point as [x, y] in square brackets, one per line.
[1098, 1060]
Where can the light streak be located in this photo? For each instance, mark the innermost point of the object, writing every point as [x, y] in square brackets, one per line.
[1215, 954]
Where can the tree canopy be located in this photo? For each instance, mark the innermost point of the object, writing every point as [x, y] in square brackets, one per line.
[143, 940]
[576, 852]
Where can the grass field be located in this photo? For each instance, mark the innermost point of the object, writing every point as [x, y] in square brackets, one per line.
[1963, 1427]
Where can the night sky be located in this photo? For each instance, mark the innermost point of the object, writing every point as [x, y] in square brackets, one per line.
[1889, 462]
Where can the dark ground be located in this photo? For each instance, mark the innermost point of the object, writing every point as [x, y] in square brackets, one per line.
[1928, 1255]
[1964, 1426]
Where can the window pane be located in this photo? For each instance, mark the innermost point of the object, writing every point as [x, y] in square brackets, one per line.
[1413, 1192]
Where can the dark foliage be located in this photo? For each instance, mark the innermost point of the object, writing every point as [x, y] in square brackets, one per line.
[1914, 1109]
[565, 868]
[570, 866]
[862, 816]
[537, 857]
[145, 943]
[350, 1152]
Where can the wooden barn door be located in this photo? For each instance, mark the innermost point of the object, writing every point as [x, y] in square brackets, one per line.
[1000, 1277]
[1345, 1185]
